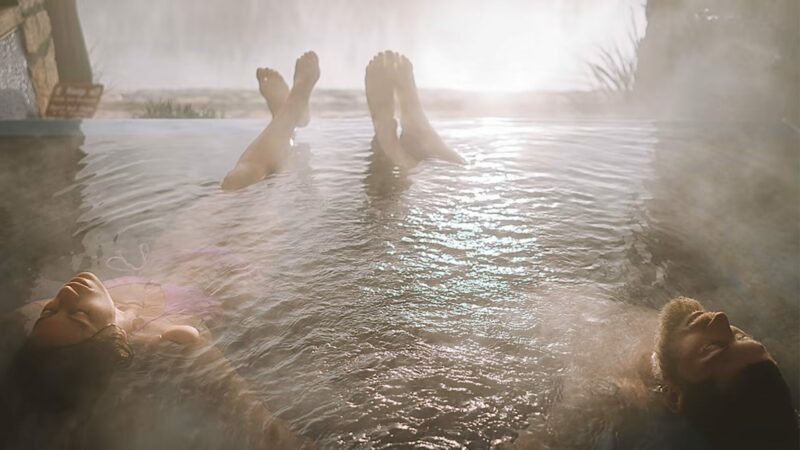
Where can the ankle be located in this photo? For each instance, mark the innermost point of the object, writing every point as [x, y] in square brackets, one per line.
[385, 125]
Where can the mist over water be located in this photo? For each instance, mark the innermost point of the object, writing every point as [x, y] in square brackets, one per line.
[457, 44]
[457, 306]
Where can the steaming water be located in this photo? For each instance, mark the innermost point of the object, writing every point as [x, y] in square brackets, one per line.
[439, 309]
[455, 44]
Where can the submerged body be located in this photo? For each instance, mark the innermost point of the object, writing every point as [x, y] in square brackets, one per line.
[145, 313]
[417, 319]
[701, 384]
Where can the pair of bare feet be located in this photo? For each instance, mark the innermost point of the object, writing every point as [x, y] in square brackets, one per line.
[391, 74]
[388, 74]
[289, 109]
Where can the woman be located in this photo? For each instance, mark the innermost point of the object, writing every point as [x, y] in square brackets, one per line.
[80, 337]
[73, 343]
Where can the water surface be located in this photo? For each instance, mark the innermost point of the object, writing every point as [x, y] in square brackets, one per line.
[441, 308]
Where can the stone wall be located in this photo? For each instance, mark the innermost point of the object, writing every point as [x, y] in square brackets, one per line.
[725, 59]
[17, 97]
[30, 23]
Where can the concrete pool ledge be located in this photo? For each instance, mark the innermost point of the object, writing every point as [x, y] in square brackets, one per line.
[40, 128]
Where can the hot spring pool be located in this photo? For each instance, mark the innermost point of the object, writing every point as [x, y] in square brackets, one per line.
[445, 308]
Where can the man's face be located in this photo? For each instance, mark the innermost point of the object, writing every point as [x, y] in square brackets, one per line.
[706, 347]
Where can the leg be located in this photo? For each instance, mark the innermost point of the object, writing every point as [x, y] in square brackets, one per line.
[418, 134]
[380, 100]
[264, 155]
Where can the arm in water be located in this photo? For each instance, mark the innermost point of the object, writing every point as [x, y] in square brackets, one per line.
[236, 401]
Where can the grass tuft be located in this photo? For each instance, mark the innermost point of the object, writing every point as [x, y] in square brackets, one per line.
[614, 71]
[168, 109]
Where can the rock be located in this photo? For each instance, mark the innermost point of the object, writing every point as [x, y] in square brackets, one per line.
[29, 7]
[44, 74]
[37, 31]
[10, 18]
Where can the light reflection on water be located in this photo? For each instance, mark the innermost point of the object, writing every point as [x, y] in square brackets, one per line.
[443, 309]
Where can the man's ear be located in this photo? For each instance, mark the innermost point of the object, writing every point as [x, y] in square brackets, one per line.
[672, 396]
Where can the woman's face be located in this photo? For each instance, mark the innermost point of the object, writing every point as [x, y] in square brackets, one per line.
[80, 309]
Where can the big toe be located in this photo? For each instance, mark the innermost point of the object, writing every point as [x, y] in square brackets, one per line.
[374, 62]
[404, 63]
[383, 63]
[308, 60]
[310, 56]
[307, 69]
[389, 59]
[377, 69]
[404, 70]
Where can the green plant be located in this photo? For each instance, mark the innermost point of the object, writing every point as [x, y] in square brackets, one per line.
[168, 109]
[615, 69]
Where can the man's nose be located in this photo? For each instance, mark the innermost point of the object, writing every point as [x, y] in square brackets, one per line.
[721, 327]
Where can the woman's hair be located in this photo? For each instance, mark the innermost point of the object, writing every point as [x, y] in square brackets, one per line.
[60, 379]
[45, 393]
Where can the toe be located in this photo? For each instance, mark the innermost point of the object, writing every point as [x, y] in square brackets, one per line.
[405, 61]
[310, 56]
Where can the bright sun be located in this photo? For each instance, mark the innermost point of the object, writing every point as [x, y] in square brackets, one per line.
[498, 45]
[516, 45]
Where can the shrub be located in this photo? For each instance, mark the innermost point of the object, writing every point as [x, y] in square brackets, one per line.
[168, 109]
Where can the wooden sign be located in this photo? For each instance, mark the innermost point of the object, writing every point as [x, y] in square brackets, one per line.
[74, 100]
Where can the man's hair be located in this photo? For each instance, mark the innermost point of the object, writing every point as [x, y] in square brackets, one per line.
[59, 379]
[671, 318]
[754, 412]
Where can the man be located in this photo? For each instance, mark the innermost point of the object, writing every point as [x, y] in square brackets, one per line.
[705, 385]
[723, 382]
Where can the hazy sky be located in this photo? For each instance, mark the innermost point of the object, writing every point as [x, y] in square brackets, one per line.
[459, 44]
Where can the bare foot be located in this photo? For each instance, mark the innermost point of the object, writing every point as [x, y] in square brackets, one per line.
[273, 88]
[418, 135]
[268, 150]
[306, 74]
[379, 83]
[380, 88]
